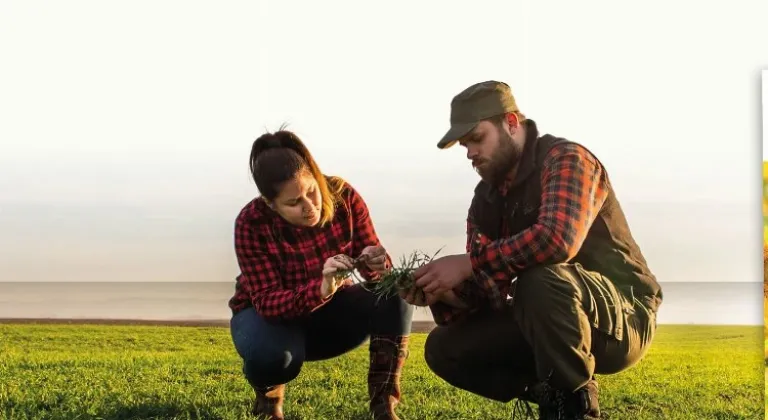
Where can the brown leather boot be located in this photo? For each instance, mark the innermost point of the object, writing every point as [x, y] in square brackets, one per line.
[387, 357]
[269, 403]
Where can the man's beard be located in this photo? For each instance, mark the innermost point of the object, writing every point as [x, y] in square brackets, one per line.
[504, 159]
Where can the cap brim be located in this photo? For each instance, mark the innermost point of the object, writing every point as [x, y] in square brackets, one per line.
[453, 135]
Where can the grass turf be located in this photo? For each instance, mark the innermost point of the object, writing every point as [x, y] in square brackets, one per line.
[138, 372]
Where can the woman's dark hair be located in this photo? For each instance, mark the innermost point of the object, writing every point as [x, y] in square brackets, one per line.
[281, 156]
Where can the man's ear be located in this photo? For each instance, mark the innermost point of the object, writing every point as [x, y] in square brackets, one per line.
[513, 121]
[270, 204]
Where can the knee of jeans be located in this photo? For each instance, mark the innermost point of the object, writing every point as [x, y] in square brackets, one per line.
[274, 364]
[436, 352]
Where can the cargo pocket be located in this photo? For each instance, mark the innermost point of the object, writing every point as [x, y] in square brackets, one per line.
[604, 305]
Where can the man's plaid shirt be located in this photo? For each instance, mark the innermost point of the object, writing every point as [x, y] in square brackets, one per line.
[281, 264]
[574, 188]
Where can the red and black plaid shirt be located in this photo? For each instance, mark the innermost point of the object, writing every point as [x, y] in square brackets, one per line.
[281, 264]
[574, 188]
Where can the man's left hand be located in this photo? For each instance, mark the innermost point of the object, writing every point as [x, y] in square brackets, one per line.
[417, 297]
[443, 274]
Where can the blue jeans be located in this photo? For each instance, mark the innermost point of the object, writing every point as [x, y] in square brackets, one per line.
[273, 353]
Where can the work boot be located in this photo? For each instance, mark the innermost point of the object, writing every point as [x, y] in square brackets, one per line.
[522, 406]
[269, 403]
[556, 404]
[387, 357]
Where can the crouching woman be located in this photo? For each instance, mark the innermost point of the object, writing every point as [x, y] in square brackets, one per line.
[292, 303]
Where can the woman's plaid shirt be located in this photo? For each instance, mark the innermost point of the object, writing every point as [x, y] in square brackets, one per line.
[281, 264]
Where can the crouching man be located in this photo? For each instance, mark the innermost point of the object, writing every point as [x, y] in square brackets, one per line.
[552, 288]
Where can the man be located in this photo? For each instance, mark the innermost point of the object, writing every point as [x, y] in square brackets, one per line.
[553, 288]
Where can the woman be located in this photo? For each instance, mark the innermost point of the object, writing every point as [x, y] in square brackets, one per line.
[292, 302]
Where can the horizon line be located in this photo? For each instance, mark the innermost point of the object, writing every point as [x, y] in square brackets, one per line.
[224, 322]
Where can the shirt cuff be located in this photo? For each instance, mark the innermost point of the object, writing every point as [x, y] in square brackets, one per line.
[469, 292]
[485, 283]
[480, 256]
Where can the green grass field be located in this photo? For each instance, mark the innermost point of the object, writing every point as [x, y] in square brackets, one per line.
[121, 372]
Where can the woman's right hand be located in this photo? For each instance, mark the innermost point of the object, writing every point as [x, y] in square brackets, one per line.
[331, 278]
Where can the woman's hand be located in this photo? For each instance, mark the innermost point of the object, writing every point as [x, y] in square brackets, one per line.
[375, 257]
[332, 278]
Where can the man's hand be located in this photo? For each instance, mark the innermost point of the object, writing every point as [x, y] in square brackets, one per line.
[417, 297]
[375, 257]
[443, 274]
[451, 299]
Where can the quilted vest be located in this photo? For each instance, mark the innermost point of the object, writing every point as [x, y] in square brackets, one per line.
[609, 248]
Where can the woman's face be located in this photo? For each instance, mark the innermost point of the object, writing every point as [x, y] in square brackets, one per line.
[299, 200]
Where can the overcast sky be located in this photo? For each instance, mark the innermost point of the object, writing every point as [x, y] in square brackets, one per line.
[126, 127]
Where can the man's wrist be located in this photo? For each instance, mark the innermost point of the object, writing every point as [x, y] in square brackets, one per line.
[450, 298]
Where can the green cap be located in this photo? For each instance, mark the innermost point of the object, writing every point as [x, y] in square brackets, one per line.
[474, 104]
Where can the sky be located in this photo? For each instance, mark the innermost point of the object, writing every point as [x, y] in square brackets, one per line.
[126, 127]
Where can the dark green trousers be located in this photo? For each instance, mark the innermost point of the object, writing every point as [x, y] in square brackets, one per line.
[564, 324]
